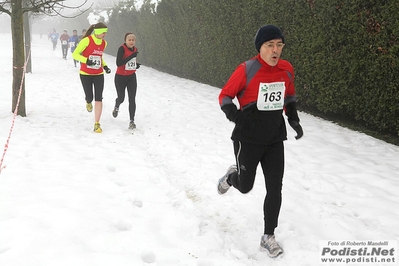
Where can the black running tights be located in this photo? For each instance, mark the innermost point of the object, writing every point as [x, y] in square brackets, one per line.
[271, 158]
[129, 83]
[87, 82]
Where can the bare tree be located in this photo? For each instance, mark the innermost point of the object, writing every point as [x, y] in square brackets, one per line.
[16, 10]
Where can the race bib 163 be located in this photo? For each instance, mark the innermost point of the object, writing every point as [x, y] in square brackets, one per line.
[271, 96]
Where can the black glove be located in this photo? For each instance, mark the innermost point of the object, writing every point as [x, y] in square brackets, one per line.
[231, 112]
[107, 70]
[90, 62]
[291, 112]
[293, 119]
[138, 65]
[297, 127]
[133, 55]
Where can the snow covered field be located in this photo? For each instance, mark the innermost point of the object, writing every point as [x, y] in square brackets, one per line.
[69, 196]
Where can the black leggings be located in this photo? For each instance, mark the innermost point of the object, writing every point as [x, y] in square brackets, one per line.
[64, 50]
[271, 158]
[54, 45]
[87, 82]
[129, 82]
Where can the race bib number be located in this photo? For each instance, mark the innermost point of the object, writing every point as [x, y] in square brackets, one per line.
[97, 60]
[72, 44]
[131, 64]
[64, 42]
[271, 96]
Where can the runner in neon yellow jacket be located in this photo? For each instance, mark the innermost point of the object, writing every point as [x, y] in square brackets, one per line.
[89, 53]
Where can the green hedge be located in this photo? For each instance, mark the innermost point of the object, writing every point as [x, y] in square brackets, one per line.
[345, 53]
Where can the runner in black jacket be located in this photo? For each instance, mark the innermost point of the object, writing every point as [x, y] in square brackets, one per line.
[125, 76]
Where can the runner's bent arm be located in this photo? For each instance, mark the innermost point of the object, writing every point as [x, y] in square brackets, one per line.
[77, 53]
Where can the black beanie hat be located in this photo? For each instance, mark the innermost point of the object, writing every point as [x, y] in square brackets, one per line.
[267, 33]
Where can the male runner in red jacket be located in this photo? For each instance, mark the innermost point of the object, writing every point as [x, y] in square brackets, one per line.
[264, 88]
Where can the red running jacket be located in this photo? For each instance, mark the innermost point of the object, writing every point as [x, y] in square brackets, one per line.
[254, 125]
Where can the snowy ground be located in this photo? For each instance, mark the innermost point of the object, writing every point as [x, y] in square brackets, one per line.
[69, 196]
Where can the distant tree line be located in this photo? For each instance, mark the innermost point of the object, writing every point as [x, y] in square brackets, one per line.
[345, 53]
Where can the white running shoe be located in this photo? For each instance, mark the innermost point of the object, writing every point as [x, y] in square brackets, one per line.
[223, 186]
[132, 125]
[268, 243]
[115, 112]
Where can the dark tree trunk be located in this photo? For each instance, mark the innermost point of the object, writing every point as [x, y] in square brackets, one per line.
[18, 56]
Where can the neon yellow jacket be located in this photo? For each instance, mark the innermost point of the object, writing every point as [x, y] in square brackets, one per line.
[77, 53]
